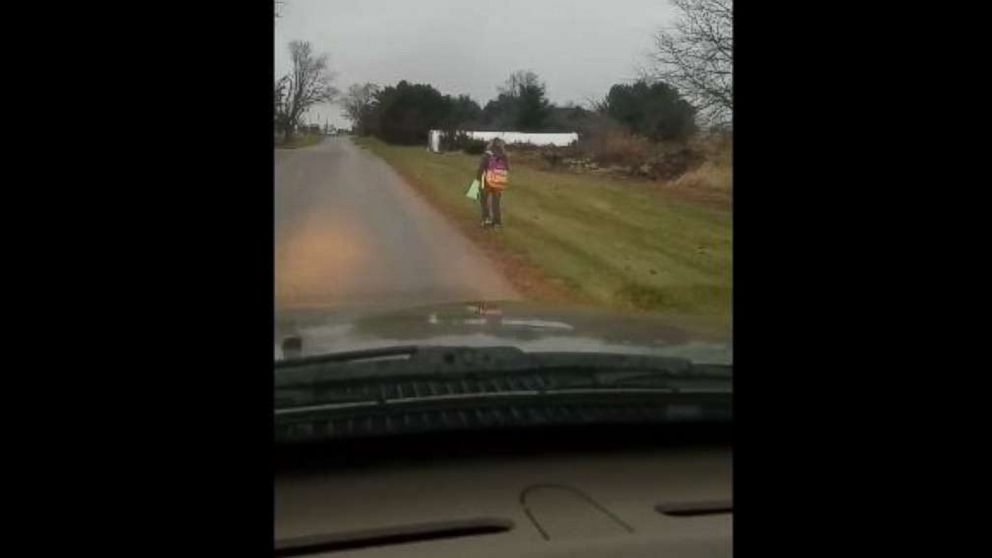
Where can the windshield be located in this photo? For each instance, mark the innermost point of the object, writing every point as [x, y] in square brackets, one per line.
[525, 175]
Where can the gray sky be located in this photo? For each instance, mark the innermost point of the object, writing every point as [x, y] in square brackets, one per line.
[579, 49]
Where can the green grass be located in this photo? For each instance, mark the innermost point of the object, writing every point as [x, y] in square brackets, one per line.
[299, 141]
[625, 244]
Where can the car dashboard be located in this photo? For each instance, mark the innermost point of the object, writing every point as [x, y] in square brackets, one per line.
[658, 501]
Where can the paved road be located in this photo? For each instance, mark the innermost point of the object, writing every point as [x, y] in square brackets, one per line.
[349, 231]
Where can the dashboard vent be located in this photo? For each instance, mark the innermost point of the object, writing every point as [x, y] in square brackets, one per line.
[692, 509]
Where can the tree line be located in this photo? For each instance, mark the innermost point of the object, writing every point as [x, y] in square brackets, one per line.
[404, 113]
[689, 84]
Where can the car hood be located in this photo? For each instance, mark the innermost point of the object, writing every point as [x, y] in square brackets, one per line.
[528, 326]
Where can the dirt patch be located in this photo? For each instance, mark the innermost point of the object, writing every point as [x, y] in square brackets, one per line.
[663, 164]
[670, 298]
[527, 278]
[705, 185]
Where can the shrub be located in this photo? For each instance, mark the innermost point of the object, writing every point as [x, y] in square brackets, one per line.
[475, 147]
[404, 114]
[652, 110]
[617, 147]
[452, 141]
[671, 162]
[554, 156]
[708, 176]
[715, 173]
[460, 141]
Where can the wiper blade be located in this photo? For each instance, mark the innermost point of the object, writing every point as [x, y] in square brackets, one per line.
[417, 360]
[399, 352]
[404, 390]
[435, 402]
[443, 374]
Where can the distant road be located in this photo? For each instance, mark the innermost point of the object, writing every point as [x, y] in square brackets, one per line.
[349, 230]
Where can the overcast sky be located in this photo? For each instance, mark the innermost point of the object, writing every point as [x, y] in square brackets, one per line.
[578, 48]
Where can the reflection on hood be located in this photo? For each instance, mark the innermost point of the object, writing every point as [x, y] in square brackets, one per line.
[526, 326]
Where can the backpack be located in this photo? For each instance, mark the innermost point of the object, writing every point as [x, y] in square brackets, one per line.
[496, 173]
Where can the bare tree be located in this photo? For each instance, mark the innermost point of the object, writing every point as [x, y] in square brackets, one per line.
[518, 81]
[279, 96]
[357, 104]
[594, 104]
[308, 84]
[697, 57]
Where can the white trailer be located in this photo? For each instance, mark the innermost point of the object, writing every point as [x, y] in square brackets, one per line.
[561, 140]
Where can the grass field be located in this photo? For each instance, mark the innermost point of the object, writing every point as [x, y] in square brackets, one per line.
[623, 243]
[305, 140]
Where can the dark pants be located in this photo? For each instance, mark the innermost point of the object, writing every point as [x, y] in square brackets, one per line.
[490, 206]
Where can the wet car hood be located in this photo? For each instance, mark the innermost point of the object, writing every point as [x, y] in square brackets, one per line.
[527, 326]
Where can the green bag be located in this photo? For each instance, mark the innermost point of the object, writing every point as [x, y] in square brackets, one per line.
[473, 190]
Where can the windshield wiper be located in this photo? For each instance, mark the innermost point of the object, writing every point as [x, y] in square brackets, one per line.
[499, 385]
[399, 352]
[384, 374]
